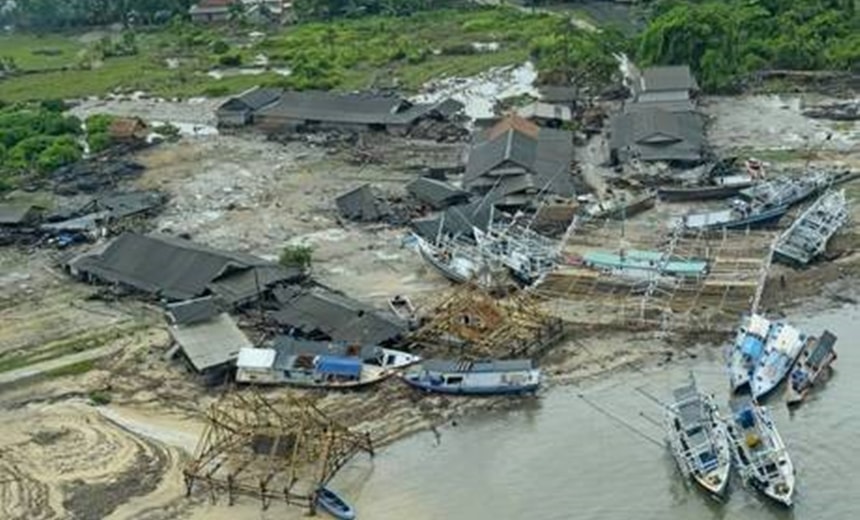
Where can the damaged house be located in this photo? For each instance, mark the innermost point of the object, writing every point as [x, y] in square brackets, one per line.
[436, 194]
[176, 269]
[518, 161]
[660, 122]
[318, 313]
[311, 111]
[363, 204]
[240, 110]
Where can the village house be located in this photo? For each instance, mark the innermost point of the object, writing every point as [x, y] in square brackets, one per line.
[240, 110]
[668, 84]
[518, 161]
[128, 130]
[257, 11]
[546, 114]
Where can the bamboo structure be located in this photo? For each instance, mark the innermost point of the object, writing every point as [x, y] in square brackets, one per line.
[473, 324]
[285, 450]
[738, 263]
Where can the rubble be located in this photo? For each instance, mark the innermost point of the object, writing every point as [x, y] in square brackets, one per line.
[840, 111]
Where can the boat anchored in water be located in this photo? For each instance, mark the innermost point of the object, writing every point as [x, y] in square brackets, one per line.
[747, 349]
[334, 504]
[758, 451]
[812, 367]
[698, 439]
[515, 376]
[783, 345]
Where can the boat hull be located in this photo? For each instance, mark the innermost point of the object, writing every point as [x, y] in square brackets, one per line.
[473, 390]
[705, 193]
[763, 219]
[334, 504]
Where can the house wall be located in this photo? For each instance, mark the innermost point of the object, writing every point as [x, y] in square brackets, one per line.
[234, 117]
[664, 96]
[275, 124]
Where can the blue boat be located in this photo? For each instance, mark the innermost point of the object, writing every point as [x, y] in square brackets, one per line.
[747, 349]
[334, 504]
[784, 344]
[515, 376]
[740, 215]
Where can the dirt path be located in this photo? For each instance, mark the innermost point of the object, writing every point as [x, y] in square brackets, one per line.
[30, 371]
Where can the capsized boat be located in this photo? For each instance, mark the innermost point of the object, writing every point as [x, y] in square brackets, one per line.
[698, 439]
[758, 451]
[334, 504]
[747, 349]
[514, 376]
[808, 235]
[783, 345]
[812, 367]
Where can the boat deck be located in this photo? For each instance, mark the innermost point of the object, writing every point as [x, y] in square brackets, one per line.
[808, 236]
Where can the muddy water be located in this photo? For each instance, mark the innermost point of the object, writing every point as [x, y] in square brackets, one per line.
[560, 458]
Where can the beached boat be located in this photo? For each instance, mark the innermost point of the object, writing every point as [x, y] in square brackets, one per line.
[758, 451]
[739, 215]
[402, 307]
[698, 439]
[456, 262]
[783, 346]
[786, 191]
[638, 263]
[718, 188]
[266, 366]
[813, 366]
[334, 504]
[622, 207]
[475, 378]
[747, 348]
[808, 235]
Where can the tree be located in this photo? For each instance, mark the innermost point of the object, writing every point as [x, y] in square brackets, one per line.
[297, 256]
[62, 151]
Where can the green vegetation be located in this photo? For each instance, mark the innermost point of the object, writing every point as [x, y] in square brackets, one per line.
[81, 367]
[100, 397]
[727, 39]
[297, 256]
[34, 140]
[328, 9]
[46, 15]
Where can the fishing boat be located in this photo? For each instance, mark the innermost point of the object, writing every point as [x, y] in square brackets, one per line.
[813, 366]
[514, 376]
[456, 262]
[783, 346]
[402, 307]
[640, 262]
[334, 504]
[808, 235]
[758, 451]
[786, 191]
[266, 366]
[622, 207]
[739, 215]
[747, 349]
[717, 188]
[698, 439]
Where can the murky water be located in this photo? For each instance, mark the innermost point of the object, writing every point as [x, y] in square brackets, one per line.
[560, 458]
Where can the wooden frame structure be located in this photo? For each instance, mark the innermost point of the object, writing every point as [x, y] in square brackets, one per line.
[256, 447]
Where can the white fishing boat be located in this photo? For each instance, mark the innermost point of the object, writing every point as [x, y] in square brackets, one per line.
[457, 262]
[266, 366]
[759, 452]
[698, 439]
[783, 346]
[747, 348]
[514, 376]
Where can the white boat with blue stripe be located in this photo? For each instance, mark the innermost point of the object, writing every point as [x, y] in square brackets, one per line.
[515, 376]
[747, 349]
[784, 345]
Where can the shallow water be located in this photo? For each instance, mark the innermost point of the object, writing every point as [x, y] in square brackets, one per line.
[560, 458]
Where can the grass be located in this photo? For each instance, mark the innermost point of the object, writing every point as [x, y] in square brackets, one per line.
[40, 52]
[81, 367]
[350, 54]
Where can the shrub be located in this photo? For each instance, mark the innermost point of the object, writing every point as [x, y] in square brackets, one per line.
[220, 47]
[100, 397]
[296, 256]
[230, 60]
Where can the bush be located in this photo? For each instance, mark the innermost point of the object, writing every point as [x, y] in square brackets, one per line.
[100, 397]
[99, 123]
[230, 60]
[297, 256]
[220, 47]
[99, 141]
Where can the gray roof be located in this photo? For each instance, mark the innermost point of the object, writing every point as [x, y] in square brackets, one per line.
[547, 156]
[14, 214]
[253, 99]
[192, 311]
[508, 365]
[122, 205]
[437, 194]
[339, 317]
[241, 286]
[457, 220]
[210, 343]
[348, 108]
[674, 77]
[363, 203]
[543, 110]
[175, 268]
[558, 94]
[290, 346]
[659, 135]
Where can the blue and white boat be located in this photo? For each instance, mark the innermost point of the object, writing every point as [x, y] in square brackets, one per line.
[514, 376]
[747, 349]
[334, 504]
[784, 344]
[759, 452]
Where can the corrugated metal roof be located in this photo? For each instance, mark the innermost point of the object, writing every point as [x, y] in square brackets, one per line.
[673, 77]
[175, 268]
[192, 311]
[253, 99]
[660, 135]
[347, 108]
[363, 203]
[12, 214]
[436, 193]
[256, 358]
[210, 343]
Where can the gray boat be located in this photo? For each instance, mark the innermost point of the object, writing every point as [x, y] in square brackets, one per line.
[808, 236]
[698, 439]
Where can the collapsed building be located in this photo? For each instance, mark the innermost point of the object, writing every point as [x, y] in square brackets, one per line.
[240, 110]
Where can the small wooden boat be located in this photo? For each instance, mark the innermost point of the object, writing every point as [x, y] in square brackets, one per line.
[698, 439]
[812, 367]
[720, 188]
[515, 376]
[622, 207]
[334, 504]
[783, 346]
[747, 349]
[759, 452]
[402, 307]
